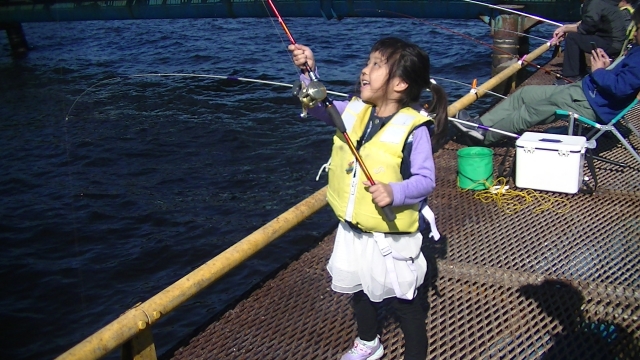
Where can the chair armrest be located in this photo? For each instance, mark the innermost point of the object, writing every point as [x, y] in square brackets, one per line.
[560, 114]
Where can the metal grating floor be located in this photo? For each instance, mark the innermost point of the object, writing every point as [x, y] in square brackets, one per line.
[529, 285]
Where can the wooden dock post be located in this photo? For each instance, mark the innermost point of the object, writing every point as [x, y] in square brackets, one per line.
[509, 43]
[17, 40]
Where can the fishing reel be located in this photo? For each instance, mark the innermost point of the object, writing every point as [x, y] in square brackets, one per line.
[309, 95]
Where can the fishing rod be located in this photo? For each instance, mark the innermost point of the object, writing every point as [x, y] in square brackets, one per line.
[591, 144]
[483, 127]
[232, 78]
[521, 60]
[515, 12]
[315, 93]
[465, 84]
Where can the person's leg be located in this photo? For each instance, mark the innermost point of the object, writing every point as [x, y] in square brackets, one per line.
[412, 323]
[534, 105]
[574, 64]
[501, 116]
[366, 316]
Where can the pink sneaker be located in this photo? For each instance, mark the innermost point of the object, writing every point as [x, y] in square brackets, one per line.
[361, 351]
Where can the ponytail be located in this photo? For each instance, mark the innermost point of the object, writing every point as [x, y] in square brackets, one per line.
[439, 104]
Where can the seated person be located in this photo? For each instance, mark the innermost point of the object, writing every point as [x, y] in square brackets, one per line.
[603, 23]
[599, 96]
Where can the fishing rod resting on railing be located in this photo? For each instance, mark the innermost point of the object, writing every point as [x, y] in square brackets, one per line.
[591, 144]
[473, 86]
[315, 93]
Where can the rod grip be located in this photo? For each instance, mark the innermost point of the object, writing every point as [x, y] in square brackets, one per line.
[335, 116]
[388, 214]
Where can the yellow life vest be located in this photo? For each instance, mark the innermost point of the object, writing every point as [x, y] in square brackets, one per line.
[382, 156]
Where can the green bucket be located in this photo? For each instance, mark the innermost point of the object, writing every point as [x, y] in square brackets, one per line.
[475, 166]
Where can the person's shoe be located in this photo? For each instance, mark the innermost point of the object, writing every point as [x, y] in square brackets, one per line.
[463, 115]
[362, 351]
[471, 130]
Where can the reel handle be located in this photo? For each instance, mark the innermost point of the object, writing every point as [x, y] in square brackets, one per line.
[309, 95]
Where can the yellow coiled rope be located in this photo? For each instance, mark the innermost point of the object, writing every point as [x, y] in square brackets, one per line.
[512, 201]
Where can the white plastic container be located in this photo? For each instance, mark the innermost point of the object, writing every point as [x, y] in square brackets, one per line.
[550, 162]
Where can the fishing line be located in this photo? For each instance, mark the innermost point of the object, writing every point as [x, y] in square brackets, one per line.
[275, 28]
[233, 78]
[74, 218]
[520, 60]
[515, 12]
[523, 34]
[436, 25]
[121, 78]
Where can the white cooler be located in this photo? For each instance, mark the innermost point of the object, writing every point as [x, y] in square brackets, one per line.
[550, 162]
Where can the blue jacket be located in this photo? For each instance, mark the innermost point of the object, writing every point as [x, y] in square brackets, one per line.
[610, 91]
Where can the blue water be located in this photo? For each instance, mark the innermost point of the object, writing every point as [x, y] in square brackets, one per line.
[109, 197]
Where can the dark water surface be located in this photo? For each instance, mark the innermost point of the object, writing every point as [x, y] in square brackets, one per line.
[147, 178]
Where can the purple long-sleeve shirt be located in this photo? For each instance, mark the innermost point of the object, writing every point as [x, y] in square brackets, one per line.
[423, 174]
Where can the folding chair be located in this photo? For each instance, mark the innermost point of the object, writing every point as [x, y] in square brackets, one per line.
[599, 129]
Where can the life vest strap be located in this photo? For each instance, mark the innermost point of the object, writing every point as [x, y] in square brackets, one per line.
[389, 256]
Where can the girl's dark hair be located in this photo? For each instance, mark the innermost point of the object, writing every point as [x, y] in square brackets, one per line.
[635, 17]
[409, 63]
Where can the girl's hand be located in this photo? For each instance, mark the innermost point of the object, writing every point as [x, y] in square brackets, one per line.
[382, 193]
[599, 59]
[302, 54]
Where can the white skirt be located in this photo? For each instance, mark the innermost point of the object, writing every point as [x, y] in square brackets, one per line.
[357, 264]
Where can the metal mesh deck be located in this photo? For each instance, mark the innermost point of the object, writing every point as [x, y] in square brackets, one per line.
[523, 286]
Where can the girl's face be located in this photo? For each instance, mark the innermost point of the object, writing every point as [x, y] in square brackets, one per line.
[373, 80]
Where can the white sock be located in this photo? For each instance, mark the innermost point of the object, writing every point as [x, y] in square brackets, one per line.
[373, 342]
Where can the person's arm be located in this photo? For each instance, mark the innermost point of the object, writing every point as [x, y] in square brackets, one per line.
[567, 28]
[318, 111]
[303, 56]
[423, 179]
[621, 81]
[560, 32]
[599, 60]
[592, 13]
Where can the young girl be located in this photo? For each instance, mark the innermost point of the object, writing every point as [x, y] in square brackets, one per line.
[374, 259]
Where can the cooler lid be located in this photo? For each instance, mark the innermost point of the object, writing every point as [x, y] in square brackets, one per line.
[544, 141]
